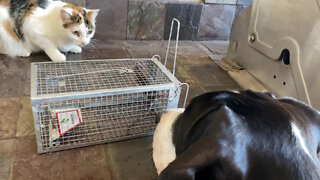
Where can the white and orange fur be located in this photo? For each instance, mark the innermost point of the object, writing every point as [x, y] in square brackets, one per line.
[164, 151]
[43, 29]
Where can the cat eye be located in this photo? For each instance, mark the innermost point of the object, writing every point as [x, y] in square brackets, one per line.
[90, 31]
[76, 33]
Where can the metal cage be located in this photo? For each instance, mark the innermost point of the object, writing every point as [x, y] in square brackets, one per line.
[82, 103]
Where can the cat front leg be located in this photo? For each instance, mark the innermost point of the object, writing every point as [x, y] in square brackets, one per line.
[49, 48]
[24, 53]
[71, 48]
[76, 49]
[55, 55]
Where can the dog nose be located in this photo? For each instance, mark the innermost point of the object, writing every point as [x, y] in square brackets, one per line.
[158, 117]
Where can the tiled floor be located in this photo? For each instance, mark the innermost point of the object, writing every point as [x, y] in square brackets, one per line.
[127, 160]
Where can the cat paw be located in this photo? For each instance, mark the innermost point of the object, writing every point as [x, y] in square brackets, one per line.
[24, 53]
[76, 49]
[58, 58]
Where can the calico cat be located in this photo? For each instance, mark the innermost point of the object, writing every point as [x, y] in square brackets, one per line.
[28, 26]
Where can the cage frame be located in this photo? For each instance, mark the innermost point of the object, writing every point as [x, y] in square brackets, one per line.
[174, 88]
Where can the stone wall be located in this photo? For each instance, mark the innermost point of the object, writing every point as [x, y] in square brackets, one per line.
[150, 19]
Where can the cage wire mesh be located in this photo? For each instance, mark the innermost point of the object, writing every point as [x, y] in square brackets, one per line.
[82, 103]
[80, 76]
[106, 100]
[104, 118]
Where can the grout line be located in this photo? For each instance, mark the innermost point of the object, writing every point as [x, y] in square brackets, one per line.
[204, 48]
[108, 160]
[18, 115]
[190, 75]
[10, 138]
[123, 46]
[13, 157]
[127, 23]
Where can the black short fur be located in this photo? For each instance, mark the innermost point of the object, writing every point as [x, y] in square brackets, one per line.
[18, 10]
[246, 135]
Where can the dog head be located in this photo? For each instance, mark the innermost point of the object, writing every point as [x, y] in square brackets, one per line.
[163, 148]
[245, 135]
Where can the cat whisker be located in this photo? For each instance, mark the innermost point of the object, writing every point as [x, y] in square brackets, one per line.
[98, 40]
[95, 41]
[93, 46]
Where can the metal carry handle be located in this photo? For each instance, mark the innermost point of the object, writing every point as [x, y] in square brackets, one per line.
[175, 56]
[186, 96]
[169, 42]
[187, 93]
[157, 57]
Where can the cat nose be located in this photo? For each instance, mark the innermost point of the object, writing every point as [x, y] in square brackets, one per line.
[83, 43]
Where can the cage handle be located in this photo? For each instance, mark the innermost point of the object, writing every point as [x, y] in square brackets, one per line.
[169, 42]
[187, 93]
[157, 57]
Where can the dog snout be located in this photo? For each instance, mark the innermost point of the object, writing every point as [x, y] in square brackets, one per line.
[159, 115]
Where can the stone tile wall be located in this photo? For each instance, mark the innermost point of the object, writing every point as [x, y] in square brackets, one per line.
[221, 1]
[216, 22]
[189, 15]
[151, 19]
[146, 20]
[218, 16]
[112, 19]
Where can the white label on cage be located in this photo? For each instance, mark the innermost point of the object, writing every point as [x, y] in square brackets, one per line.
[67, 120]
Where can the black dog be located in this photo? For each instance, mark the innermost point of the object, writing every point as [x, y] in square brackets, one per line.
[246, 135]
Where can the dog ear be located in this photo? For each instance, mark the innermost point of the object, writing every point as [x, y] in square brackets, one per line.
[203, 153]
[198, 156]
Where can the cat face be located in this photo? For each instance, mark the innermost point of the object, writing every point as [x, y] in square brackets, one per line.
[78, 23]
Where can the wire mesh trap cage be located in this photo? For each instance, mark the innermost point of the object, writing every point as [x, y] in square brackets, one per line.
[82, 103]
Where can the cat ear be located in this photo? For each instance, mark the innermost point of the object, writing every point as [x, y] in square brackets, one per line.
[93, 13]
[65, 15]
